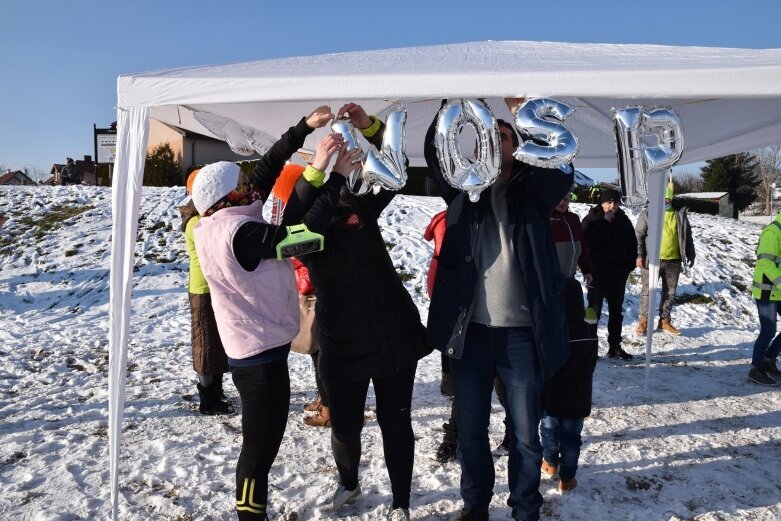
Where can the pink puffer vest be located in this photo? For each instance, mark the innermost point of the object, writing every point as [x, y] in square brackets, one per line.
[256, 310]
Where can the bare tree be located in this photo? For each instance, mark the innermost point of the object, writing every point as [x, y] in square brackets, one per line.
[768, 169]
[687, 182]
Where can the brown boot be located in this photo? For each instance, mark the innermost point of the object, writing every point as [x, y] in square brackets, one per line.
[321, 419]
[315, 405]
[567, 485]
[549, 469]
[642, 325]
[664, 325]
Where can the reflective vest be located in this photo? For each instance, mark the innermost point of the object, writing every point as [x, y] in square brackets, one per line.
[767, 273]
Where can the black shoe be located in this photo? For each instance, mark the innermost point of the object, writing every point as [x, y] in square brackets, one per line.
[770, 368]
[446, 452]
[211, 404]
[618, 352]
[758, 376]
[467, 514]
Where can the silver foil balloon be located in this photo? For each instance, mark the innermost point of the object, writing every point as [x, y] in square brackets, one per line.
[387, 168]
[470, 177]
[227, 130]
[634, 128]
[546, 143]
[355, 181]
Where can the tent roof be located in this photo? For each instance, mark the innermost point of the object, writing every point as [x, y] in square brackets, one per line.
[729, 100]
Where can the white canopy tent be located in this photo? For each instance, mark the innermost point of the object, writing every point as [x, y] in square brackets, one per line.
[729, 100]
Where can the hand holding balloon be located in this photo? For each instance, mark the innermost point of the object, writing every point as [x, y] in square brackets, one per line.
[346, 161]
[640, 263]
[319, 117]
[327, 147]
[356, 114]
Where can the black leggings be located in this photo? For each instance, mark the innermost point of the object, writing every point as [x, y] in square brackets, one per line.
[319, 381]
[265, 400]
[394, 399]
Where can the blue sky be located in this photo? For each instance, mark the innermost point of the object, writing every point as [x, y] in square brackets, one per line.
[59, 60]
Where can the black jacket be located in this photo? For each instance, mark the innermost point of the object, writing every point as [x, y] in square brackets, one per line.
[532, 194]
[612, 245]
[568, 393]
[369, 325]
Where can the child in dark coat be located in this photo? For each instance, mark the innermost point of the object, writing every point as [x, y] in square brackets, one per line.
[567, 395]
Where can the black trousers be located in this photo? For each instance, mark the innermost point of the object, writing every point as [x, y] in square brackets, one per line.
[319, 381]
[265, 401]
[347, 400]
[609, 284]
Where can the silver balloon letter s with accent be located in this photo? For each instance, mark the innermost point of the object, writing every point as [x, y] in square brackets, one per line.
[546, 143]
[475, 177]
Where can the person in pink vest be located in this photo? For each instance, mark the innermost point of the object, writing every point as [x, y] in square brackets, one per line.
[254, 299]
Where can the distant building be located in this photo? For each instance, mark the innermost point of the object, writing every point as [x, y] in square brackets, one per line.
[582, 179]
[16, 178]
[194, 149]
[722, 198]
[86, 168]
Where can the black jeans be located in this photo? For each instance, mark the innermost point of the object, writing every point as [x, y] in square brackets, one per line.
[265, 401]
[609, 283]
[394, 399]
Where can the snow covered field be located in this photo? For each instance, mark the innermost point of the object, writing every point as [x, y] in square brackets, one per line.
[700, 444]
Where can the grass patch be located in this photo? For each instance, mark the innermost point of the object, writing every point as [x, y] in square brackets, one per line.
[71, 253]
[53, 219]
[693, 298]
[403, 275]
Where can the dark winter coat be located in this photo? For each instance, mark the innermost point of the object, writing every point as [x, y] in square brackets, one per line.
[570, 242]
[568, 393]
[531, 196]
[612, 245]
[369, 325]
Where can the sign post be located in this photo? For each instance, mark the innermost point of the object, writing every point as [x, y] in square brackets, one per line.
[105, 147]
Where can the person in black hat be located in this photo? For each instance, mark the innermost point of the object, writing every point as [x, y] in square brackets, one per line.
[613, 247]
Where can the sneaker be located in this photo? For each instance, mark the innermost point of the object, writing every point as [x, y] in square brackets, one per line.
[667, 327]
[565, 485]
[468, 514]
[549, 469]
[342, 496]
[314, 406]
[758, 376]
[642, 326]
[399, 514]
[321, 419]
[445, 452]
[770, 368]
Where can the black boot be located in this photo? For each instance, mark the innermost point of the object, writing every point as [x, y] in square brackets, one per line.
[617, 352]
[218, 383]
[211, 404]
[447, 449]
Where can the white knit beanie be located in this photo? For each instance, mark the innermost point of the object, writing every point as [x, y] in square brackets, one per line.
[214, 182]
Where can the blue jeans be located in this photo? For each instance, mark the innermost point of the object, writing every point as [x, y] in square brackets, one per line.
[763, 347]
[561, 443]
[511, 354]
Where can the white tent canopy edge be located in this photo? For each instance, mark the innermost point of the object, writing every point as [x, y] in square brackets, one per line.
[729, 100]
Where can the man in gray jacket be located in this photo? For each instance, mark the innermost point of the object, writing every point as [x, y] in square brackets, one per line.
[677, 247]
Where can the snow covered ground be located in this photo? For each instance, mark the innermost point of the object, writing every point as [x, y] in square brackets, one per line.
[699, 444]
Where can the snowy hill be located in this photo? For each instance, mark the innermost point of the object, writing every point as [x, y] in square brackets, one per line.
[700, 444]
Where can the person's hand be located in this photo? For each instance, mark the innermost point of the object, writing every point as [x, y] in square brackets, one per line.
[319, 117]
[326, 148]
[588, 278]
[640, 263]
[690, 262]
[346, 161]
[514, 104]
[610, 215]
[359, 118]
